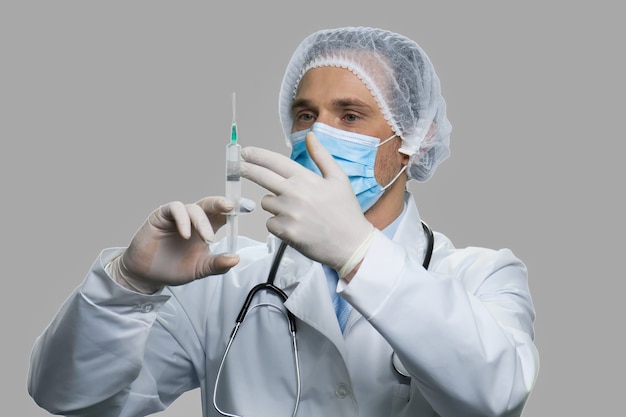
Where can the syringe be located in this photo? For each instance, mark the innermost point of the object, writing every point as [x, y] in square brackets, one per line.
[233, 184]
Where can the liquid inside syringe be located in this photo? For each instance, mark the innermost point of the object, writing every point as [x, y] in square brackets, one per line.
[233, 176]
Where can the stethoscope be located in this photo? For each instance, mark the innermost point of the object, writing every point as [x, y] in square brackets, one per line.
[269, 286]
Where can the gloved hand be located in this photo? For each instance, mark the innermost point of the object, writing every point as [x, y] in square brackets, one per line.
[317, 215]
[171, 247]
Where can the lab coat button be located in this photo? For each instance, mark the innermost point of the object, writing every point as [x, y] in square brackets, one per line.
[342, 391]
[146, 308]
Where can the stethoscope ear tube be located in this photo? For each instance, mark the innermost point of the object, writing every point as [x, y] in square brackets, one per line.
[431, 245]
[268, 285]
[398, 366]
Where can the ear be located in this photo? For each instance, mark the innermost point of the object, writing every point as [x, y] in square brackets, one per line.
[405, 158]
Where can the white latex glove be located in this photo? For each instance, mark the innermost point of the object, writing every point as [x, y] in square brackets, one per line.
[317, 215]
[171, 247]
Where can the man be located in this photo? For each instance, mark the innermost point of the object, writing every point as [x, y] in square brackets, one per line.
[384, 326]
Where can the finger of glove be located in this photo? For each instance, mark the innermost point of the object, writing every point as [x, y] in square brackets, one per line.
[279, 226]
[295, 218]
[285, 216]
[200, 222]
[273, 204]
[264, 177]
[215, 209]
[215, 205]
[177, 212]
[322, 158]
[275, 162]
[220, 264]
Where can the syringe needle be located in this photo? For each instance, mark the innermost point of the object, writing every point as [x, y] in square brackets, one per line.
[233, 126]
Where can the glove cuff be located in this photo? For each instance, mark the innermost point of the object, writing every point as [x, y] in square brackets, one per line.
[357, 255]
[116, 268]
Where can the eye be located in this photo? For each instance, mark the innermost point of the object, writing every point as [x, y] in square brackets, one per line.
[303, 120]
[306, 117]
[351, 117]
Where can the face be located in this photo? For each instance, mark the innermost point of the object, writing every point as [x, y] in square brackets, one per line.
[336, 97]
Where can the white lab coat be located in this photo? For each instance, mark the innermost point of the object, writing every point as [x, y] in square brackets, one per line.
[464, 330]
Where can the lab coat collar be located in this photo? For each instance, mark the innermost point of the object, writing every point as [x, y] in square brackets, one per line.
[410, 233]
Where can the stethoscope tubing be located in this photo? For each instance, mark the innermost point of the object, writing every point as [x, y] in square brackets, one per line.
[269, 286]
[245, 308]
[231, 339]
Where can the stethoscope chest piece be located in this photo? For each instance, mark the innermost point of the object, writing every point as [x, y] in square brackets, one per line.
[398, 366]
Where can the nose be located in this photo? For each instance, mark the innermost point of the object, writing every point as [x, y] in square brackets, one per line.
[327, 118]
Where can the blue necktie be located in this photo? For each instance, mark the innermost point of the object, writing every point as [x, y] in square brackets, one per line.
[342, 307]
[342, 310]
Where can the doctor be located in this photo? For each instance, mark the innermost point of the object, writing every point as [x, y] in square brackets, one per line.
[385, 325]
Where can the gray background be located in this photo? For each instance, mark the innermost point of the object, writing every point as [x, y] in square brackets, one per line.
[109, 109]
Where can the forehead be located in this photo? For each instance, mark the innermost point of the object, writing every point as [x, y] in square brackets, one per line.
[326, 84]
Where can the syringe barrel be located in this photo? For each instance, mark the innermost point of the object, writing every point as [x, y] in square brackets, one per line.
[233, 175]
[233, 193]
[233, 162]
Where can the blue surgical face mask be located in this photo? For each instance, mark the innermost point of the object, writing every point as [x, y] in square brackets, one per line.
[355, 153]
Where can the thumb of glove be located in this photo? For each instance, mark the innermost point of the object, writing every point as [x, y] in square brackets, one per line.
[354, 232]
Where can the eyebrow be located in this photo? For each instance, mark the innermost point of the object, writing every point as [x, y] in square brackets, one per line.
[337, 103]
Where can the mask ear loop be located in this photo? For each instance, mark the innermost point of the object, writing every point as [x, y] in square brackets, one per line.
[400, 172]
[395, 178]
[387, 140]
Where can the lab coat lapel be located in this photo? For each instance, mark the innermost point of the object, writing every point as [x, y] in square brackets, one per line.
[309, 300]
